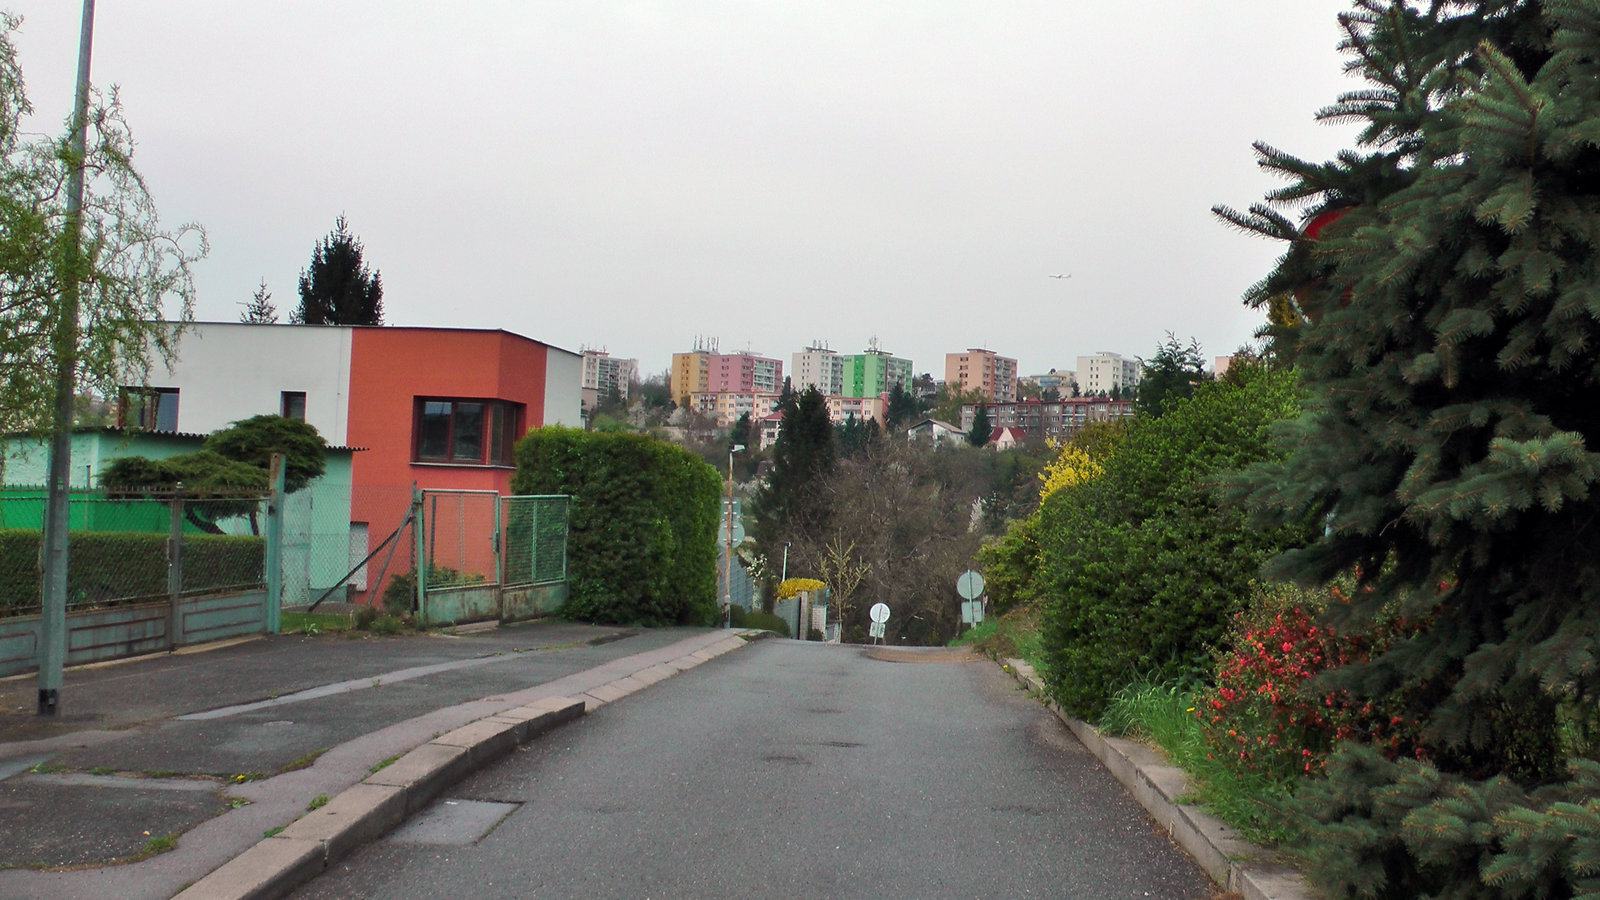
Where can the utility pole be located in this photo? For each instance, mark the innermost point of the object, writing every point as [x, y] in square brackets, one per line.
[727, 563]
[53, 601]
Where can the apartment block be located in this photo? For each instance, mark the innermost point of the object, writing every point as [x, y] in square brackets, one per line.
[691, 374]
[990, 374]
[1048, 418]
[841, 409]
[1061, 379]
[873, 372]
[818, 367]
[1106, 372]
[727, 406]
[602, 373]
[743, 373]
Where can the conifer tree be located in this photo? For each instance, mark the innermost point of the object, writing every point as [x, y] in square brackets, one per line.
[260, 310]
[978, 434]
[1171, 373]
[790, 505]
[338, 288]
[1441, 298]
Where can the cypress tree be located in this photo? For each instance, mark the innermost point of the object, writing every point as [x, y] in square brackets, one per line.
[338, 288]
[1441, 298]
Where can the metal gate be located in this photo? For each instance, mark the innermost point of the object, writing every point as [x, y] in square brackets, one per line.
[483, 556]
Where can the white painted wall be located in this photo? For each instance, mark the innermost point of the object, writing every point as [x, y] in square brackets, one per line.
[225, 371]
[563, 388]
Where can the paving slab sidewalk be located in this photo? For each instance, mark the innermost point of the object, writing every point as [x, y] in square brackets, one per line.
[142, 774]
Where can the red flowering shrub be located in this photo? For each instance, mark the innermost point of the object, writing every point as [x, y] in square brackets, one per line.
[1266, 712]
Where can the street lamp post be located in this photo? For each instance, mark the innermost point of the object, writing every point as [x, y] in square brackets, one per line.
[727, 574]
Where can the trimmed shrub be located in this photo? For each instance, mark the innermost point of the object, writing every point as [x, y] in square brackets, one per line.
[642, 533]
[104, 566]
[738, 618]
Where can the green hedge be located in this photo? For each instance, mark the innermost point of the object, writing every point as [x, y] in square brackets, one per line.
[642, 539]
[1141, 567]
[106, 565]
[738, 617]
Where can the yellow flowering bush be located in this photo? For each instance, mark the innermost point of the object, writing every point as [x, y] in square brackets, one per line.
[794, 586]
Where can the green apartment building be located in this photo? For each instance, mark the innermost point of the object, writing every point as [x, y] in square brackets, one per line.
[873, 372]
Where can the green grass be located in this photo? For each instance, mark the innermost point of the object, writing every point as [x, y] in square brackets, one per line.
[46, 768]
[1163, 714]
[312, 623]
[161, 843]
[102, 770]
[1014, 635]
[242, 777]
[318, 802]
[159, 773]
[273, 832]
[304, 761]
[386, 763]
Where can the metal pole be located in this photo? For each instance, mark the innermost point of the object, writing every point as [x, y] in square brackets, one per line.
[727, 563]
[175, 569]
[422, 551]
[53, 602]
[272, 555]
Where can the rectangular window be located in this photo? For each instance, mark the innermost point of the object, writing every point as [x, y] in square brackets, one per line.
[153, 409]
[292, 405]
[466, 432]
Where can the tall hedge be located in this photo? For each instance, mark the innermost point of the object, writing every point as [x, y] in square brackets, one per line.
[1140, 567]
[642, 541]
[104, 566]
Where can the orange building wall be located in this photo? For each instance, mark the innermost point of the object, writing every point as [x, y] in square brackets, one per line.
[389, 369]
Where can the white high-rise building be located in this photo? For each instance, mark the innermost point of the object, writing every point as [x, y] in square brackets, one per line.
[1107, 372]
[602, 372]
[818, 367]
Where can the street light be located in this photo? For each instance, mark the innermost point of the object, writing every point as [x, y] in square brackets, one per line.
[727, 576]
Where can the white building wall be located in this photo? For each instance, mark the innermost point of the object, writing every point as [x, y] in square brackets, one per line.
[227, 371]
[822, 369]
[1106, 371]
[563, 388]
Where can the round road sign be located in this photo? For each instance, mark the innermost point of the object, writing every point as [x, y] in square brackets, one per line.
[970, 585]
[879, 612]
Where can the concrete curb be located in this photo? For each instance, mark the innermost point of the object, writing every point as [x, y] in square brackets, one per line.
[277, 865]
[1253, 871]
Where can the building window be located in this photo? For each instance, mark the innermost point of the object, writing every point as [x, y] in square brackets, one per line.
[466, 432]
[292, 405]
[153, 409]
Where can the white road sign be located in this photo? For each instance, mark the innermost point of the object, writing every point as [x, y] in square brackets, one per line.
[972, 612]
[879, 612]
[969, 585]
[875, 630]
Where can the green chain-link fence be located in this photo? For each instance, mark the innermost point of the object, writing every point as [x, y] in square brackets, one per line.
[535, 530]
[120, 550]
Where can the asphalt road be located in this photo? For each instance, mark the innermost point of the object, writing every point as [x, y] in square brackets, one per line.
[788, 770]
[135, 711]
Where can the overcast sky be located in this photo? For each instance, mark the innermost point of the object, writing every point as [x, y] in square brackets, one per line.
[634, 174]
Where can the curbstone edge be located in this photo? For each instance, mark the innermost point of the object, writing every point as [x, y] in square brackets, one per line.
[270, 869]
[1253, 871]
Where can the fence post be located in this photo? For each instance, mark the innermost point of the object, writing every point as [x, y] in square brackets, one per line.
[272, 559]
[422, 554]
[175, 570]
